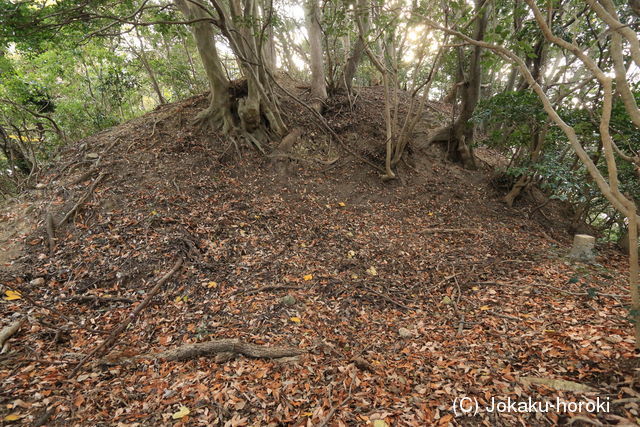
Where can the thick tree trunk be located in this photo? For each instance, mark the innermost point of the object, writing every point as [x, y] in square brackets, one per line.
[252, 110]
[318, 85]
[218, 115]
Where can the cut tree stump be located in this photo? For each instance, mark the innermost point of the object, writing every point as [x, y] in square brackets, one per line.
[583, 247]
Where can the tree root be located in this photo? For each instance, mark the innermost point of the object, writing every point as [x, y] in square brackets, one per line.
[231, 346]
[302, 159]
[8, 332]
[83, 199]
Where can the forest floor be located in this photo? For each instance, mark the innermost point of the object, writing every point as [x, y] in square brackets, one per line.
[403, 296]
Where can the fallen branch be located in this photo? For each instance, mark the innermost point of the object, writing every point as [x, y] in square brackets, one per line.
[264, 289]
[118, 330]
[9, 331]
[83, 199]
[51, 233]
[232, 346]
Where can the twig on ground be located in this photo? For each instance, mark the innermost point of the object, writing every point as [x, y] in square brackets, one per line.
[132, 316]
[333, 410]
[386, 298]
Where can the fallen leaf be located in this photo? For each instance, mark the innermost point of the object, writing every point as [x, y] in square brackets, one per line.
[485, 307]
[183, 412]
[446, 300]
[444, 420]
[380, 423]
[342, 204]
[308, 277]
[371, 271]
[295, 320]
[12, 417]
[12, 295]
[212, 285]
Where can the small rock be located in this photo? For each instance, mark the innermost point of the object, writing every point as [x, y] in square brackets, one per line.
[168, 393]
[288, 300]
[37, 282]
[92, 155]
[405, 333]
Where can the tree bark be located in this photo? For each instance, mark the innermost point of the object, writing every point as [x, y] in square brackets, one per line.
[460, 135]
[351, 66]
[318, 85]
[218, 114]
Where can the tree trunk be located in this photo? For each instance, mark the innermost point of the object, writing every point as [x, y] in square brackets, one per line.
[248, 108]
[524, 180]
[145, 63]
[318, 85]
[218, 115]
[459, 135]
[351, 66]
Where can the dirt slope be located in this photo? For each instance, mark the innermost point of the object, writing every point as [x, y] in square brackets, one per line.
[431, 285]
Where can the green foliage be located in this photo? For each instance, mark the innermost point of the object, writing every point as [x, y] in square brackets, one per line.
[512, 116]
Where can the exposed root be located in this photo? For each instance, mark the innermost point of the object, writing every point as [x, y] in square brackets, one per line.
[8, 332]
[83, 199]
[216, 117]
[232, 346]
